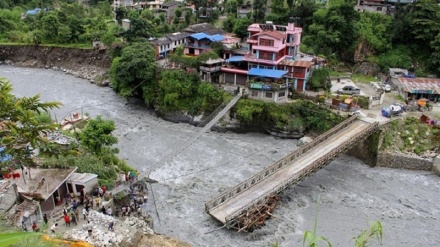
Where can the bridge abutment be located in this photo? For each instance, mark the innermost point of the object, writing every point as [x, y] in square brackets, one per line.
[367, 149]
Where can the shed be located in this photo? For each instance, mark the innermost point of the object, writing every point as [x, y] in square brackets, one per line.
[79, 181]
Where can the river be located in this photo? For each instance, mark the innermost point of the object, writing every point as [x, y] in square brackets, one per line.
[349, 193]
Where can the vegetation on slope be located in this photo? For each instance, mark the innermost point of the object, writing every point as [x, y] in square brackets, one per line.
[409, 135]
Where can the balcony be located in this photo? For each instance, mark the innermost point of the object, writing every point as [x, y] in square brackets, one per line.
[253, 58]
[252, 41]
[275, 86]
[198, 46]
[210, 69]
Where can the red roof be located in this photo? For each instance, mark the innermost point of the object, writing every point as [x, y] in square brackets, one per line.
[296, 63]
[273, 34]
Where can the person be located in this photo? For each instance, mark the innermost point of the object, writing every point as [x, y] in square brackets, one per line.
[85, 213]
[64, 210]
[67, 219]
[89, 228]
[103, 210]
[35, 227]
[45, 219]
[74, 205]
[109, 211]
[53, 227]
[73, 219]
[76, 214]
[23, 226]
[139, 211]
[110, 226]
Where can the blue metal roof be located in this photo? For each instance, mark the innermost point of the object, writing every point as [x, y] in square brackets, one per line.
[213, 38]
[235, 59]
[216, 37]
[199, 36]
[33, 11]
[272, 73]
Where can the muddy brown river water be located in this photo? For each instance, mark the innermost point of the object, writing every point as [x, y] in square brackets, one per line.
[349, 193]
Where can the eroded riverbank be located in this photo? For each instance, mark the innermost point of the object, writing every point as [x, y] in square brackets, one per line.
[351, 193]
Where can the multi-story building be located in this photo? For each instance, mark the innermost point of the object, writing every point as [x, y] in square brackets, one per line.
[271, 64]
[168, 43]
[198, 43]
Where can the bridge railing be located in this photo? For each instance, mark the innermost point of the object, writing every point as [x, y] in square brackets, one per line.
[230, 220]
[266, 172]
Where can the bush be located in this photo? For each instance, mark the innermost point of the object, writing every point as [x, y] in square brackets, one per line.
[399, 57]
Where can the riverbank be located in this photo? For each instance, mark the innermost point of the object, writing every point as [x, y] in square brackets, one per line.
[89, 64]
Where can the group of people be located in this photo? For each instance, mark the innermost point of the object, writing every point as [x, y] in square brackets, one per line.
[71, 216]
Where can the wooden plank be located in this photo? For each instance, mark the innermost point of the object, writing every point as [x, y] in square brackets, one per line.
[222, 211]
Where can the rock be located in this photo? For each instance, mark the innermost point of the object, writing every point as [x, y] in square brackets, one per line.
[436, 166]
[303, 141]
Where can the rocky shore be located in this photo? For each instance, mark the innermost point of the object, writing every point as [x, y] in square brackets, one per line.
[89, 64]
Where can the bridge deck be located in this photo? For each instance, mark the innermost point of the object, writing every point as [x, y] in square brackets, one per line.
[246, 197]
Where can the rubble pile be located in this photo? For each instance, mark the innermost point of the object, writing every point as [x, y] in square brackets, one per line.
[127, 231]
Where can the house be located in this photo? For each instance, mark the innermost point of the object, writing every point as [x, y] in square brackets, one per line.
[271, 64]
[244, 9]
[170, 9]
[81, 181]
[416, 88]
[210, 70]
[48, 186]
[126, 24]
[168, 44]
[198, 43]
[377, 6]
[199, 28]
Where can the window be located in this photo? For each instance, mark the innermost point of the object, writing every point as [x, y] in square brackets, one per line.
[266, 42]
[379, 8]
[254, 93]
[282, 94]
[268, 95]
[265, 55]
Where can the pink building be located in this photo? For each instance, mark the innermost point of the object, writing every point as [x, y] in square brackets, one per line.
[271, 64]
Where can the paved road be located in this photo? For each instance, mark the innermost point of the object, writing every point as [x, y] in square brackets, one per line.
[268, 185]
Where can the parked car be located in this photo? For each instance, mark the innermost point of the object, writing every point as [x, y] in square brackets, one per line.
[349, 90]
[393, 110]
[386, 88]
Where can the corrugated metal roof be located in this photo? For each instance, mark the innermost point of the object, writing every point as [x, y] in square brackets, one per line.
[213, 38]
[411, 85]
[82, 178]
[235, 59]
[272, 73]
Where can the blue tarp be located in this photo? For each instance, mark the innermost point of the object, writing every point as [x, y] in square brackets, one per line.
[4, 157]
[272, 73]
[234, 59]
[33, 11]
[213, 38]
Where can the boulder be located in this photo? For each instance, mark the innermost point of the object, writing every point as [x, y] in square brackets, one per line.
[304, 140]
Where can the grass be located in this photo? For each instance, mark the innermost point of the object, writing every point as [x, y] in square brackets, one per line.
[363, 78]
[78, 46]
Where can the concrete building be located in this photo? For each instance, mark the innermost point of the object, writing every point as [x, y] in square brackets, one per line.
[170, 9]
[210, 70]
[271, 64]
[168, 44]
[198, 43]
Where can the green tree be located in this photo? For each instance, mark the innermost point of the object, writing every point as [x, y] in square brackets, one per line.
[97, 135]
[188, 16]
[334, 30]
[50, 25]
[259, 10]
[20, 125]
[435, 55]
[375, 30]
[174, 87]
[229, 23]
[140, 29]
[134, 73]
[240, 27]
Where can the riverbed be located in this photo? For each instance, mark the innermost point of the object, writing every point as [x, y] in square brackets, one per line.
[345, 196]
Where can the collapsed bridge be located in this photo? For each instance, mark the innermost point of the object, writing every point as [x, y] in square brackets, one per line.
[249, 203]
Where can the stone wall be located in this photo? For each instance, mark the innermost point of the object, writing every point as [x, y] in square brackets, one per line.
[367, 150]
[404, 161]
